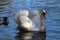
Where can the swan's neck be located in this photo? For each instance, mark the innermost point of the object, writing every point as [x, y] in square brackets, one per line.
[42, 21]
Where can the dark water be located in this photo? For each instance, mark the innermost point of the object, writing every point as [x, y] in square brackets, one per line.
[9, 8]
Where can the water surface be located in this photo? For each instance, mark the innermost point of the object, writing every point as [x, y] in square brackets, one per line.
[9, 8]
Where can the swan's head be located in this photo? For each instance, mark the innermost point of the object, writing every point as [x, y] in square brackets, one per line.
[42, 13]
[24, 12]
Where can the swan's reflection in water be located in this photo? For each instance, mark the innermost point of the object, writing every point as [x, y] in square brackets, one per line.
[30, 36]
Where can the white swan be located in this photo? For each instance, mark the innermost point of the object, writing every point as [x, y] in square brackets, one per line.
[23, 20]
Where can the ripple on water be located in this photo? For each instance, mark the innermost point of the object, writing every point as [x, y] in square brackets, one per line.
[6, 8]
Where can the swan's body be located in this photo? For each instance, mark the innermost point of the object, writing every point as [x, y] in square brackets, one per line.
[23, 20]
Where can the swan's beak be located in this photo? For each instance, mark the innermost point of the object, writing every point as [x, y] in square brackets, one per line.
[44, 15]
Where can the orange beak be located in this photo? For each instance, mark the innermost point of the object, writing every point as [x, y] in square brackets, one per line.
[44, 16]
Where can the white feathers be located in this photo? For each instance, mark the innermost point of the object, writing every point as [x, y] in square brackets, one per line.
[22, 17]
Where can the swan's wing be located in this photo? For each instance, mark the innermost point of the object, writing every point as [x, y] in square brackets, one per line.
[35, 17]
